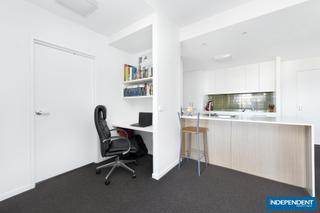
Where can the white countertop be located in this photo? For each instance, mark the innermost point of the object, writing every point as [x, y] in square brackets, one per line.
[128, 126]
[254, 119]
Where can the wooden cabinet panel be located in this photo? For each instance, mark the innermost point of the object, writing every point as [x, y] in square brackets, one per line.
[271, 151]
[277, 152]
[219, 151]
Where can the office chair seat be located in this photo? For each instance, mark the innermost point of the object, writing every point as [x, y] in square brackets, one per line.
[122, 145]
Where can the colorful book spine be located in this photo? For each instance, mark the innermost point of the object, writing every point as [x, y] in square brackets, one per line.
[125, 72]
[134, 73]
[131, 73]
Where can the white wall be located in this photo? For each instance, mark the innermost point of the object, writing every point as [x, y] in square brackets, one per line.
[167, 95]
[20, 21]
[289, 88]
[289, 82]
[119, 109]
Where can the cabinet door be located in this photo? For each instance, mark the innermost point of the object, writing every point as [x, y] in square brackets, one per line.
[252, 77]
[220, 143]
[235, 80]
[267, 76]
[209, 79]
[220, 81]
[193, 88]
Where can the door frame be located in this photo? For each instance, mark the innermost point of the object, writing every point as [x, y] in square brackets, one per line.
[31, 96]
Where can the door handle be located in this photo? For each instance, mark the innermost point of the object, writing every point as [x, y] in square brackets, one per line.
[40, 113]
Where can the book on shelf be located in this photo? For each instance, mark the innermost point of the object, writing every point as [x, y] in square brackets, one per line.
[144, 69]
[130, 73]
[138, 90]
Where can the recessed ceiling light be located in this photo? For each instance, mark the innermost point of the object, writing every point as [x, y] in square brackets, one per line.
[81, 7]
[223, 57]
[204, 44]
[244, 33]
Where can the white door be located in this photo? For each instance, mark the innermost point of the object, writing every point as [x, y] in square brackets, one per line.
[308, 99]
[65, 135]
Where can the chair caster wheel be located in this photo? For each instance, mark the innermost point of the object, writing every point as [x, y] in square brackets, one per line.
[98, 171]
[134, 176]
[107, 182]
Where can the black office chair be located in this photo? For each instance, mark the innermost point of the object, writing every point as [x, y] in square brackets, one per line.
[112, 146]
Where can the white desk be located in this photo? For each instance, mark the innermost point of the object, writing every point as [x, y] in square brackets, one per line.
[128, 126]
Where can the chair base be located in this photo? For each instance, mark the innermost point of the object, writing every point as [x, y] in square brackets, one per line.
[115, 164]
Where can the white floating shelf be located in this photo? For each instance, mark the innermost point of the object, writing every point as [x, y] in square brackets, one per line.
[143, 80]
[137, 97]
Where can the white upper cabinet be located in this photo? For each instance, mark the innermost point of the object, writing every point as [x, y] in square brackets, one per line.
[209, 80]
[220, 82]
[252, 77]
[235, 80]
[267, 76]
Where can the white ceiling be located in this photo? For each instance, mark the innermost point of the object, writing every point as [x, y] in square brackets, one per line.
[290, 33]
[114, 15]
[184, 12]
[111, 16]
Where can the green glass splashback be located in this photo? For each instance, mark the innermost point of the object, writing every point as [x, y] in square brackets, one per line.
[248, 101]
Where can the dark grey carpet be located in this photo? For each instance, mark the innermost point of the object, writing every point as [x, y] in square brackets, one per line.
[217, 190]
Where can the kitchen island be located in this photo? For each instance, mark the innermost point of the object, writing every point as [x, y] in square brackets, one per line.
[280, 149]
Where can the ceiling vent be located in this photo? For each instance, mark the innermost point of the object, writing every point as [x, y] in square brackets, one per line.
[81, 7]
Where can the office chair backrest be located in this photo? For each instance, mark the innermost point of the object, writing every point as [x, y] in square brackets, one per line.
[100, 115]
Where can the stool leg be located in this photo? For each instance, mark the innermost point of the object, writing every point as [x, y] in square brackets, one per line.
[199, 152]
[180, 153]
[205, 147]
[189, 145]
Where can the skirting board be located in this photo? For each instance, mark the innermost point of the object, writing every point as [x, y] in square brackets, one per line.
[17, 191]
[158, 176]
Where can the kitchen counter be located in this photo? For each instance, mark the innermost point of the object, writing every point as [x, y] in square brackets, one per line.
[277, 148]
[254, 119]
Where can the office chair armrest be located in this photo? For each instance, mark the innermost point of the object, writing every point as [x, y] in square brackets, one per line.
[114, 138]
[120, 130]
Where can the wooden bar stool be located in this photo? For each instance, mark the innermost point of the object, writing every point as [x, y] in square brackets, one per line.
[194, 130]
